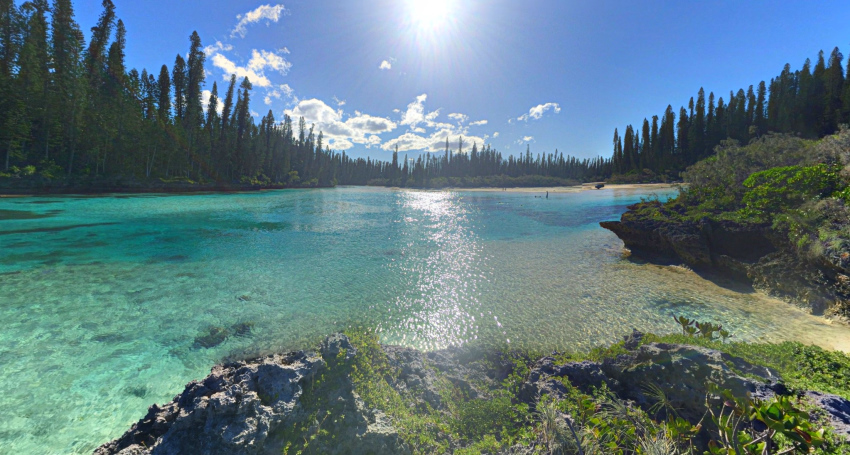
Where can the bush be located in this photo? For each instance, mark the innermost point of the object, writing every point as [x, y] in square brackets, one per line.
[781, 188]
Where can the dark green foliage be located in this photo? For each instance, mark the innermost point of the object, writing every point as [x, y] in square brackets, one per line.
[811, 103]
[781, 420]
[778, 189]
[76, 107]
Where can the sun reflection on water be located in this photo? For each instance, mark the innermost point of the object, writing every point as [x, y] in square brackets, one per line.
[442, 278]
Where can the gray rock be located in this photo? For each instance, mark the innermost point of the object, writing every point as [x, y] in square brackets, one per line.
[244, 407]
[836, 409]
[233, 410]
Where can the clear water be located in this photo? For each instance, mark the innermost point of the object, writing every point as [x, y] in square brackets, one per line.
[105, 302]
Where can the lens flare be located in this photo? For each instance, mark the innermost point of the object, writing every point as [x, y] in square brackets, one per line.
[430, 14]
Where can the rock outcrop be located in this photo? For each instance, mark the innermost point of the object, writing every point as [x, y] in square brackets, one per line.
[751, 253]
[251, 407]
[246, 407]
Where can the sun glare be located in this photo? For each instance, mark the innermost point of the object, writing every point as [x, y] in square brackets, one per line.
[430, 14]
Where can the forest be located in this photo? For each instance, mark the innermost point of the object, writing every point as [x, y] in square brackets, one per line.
[810, 102]
[73, 110]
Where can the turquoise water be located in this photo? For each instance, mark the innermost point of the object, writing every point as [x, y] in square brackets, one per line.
[109, 304]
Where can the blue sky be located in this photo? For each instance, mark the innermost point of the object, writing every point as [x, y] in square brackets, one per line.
[555, 74]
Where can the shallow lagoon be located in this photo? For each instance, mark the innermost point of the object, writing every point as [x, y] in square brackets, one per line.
[109, 304]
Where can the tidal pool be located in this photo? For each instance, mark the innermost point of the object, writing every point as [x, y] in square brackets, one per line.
[110, 304]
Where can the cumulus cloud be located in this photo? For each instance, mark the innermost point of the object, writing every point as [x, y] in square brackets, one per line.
[537, 112]
[460, 118]
[427, 134]
[267, 13]
[496, 134]
[229, 67]
[524, 140]
[342, 131]
[385, 65]
[260, 60]
[435, 142]
[255, 69]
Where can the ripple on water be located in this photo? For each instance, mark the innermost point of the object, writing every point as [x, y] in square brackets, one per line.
[143, 294]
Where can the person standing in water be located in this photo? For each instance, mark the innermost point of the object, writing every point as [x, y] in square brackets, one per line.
[547, 195]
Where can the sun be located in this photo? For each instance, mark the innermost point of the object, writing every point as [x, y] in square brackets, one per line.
[430, 14]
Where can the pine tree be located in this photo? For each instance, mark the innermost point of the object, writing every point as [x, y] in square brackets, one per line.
[34, 77]
[760, 120]
[178, 79]
[833, 87]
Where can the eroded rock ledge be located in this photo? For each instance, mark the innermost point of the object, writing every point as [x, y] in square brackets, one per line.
[248, 407]
[751, 253]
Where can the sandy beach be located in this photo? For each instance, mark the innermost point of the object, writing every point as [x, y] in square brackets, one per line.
[574, 189]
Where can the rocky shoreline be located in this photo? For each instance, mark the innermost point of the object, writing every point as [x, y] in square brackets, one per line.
[252, 407]
[754, 254]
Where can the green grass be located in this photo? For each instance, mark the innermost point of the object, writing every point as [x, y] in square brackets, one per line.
[801, 367]
[496, 420]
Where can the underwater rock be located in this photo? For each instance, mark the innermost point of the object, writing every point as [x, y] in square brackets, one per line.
[213, 337]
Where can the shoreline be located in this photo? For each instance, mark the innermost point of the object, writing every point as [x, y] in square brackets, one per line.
[590, 186]
[8, 193]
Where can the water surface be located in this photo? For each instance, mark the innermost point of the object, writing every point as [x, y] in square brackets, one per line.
[109, 304]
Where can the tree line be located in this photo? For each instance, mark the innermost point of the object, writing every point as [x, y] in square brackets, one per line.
[72, 109]
[810, 102]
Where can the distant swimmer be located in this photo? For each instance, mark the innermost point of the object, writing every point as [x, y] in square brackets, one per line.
[547, 195]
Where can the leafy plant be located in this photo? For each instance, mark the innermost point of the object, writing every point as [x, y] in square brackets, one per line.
[707, 330]
[739, 431]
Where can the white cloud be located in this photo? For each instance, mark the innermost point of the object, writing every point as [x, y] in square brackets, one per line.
[205, 101]
[385, 65]
[459, 118]
[341, 132]
[217, 47]
[283, 90]
[435, 142]
[268, 13]
[229, 67]
[426, 134]
[537, 112]
[260, 60]
[415, 112]
[495, 135]
[524, 140]
[339, 102]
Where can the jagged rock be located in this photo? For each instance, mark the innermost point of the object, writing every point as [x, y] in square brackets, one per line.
[248, 407]
[681, 371]
[232, 410]
[836, 409]
[752, 253]
[243, 408]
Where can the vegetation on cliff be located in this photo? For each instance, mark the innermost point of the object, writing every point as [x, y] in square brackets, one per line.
[674, 394]
[759, 210]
